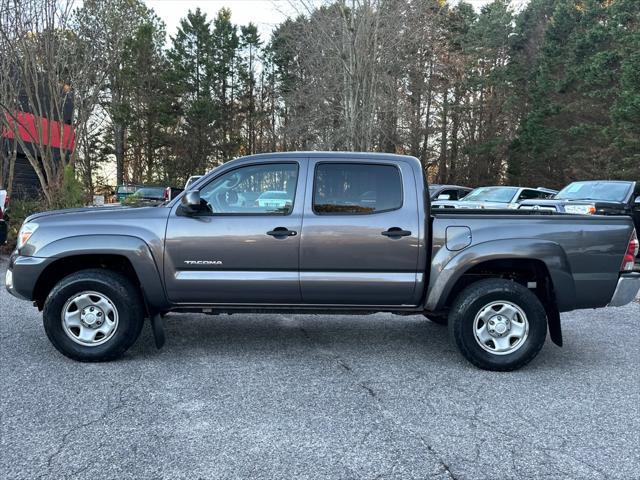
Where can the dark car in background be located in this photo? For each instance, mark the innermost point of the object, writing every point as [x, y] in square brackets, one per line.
[448, 192]
[149, 194]
[172, 192]
[152, 194]
[496, 198]
[595, 197]
[124, 191]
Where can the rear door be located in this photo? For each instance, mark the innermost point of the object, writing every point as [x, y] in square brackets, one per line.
[245, 249]
[360, 234]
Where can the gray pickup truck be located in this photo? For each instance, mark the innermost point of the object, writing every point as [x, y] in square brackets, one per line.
[346, 233]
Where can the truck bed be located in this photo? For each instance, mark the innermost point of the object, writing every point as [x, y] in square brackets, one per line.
[582, 253]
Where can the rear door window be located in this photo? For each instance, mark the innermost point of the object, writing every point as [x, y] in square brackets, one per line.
[356, 189]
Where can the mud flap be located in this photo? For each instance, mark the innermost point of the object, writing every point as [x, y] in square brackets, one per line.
[158, 330]
[555, 331]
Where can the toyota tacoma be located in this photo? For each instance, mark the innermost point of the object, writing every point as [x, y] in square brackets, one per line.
[349, 233]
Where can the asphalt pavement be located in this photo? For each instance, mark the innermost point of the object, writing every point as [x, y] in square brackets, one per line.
[319, 397]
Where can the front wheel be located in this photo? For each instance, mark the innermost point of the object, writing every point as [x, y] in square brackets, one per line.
[498, 324]
[93, 315]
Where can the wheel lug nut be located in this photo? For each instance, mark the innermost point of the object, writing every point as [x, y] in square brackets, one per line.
[91, 309]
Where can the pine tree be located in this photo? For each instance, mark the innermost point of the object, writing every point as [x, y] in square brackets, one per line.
[148, 107]
[250, 44]
[581, 122]
[224, 45]
[625, 112]
[192, 79]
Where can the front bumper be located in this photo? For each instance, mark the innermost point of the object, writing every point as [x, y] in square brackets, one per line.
[22, 275]
[627, 289]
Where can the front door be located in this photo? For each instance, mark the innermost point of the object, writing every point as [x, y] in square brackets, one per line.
[360, 240]
[245, 248]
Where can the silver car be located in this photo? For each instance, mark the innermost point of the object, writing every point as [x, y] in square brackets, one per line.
[274, 199]
[496, 197]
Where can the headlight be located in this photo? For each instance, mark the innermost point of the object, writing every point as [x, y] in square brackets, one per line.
[25, 234]
[580, 209]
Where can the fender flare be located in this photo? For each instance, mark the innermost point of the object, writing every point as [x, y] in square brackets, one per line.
[446, 271]
[134, 249]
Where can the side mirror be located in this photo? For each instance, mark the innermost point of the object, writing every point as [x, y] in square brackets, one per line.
[190, 204]
[444, 196]
[637, 202]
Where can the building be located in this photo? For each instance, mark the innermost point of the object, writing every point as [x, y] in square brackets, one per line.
[60, 137]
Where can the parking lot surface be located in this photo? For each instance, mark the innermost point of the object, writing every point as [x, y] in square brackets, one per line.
[313, 396]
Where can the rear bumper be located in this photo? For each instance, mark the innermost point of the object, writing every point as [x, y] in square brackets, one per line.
[627, 289]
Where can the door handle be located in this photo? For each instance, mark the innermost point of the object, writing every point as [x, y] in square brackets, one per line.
[396, 232]
[282, 232]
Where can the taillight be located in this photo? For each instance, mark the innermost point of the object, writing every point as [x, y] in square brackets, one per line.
[632, 253]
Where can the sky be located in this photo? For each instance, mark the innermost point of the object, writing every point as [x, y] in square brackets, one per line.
[266, 14]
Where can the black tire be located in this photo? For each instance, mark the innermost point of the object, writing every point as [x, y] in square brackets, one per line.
[120, 291]
[439, 318]
[473, 299]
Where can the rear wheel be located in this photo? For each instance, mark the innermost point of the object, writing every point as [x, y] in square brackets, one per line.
[498, 324]
[93, 315]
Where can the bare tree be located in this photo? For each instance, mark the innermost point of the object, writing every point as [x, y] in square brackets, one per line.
[344, 48]
[52, 71]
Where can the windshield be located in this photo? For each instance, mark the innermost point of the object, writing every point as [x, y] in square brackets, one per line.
[150, 192]
[491, 194]
[607, 191]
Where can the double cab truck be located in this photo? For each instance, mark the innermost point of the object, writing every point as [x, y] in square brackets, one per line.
[350, 233]
[594, 197]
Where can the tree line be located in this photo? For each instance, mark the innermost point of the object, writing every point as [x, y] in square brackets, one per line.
[537, 96]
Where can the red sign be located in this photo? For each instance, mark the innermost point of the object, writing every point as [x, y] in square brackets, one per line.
[29, 128]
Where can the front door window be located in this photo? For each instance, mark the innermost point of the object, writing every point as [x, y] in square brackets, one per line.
[267, 189]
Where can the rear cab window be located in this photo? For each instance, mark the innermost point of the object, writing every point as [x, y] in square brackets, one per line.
[529, 194]
[453, 194]
[356, 188]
